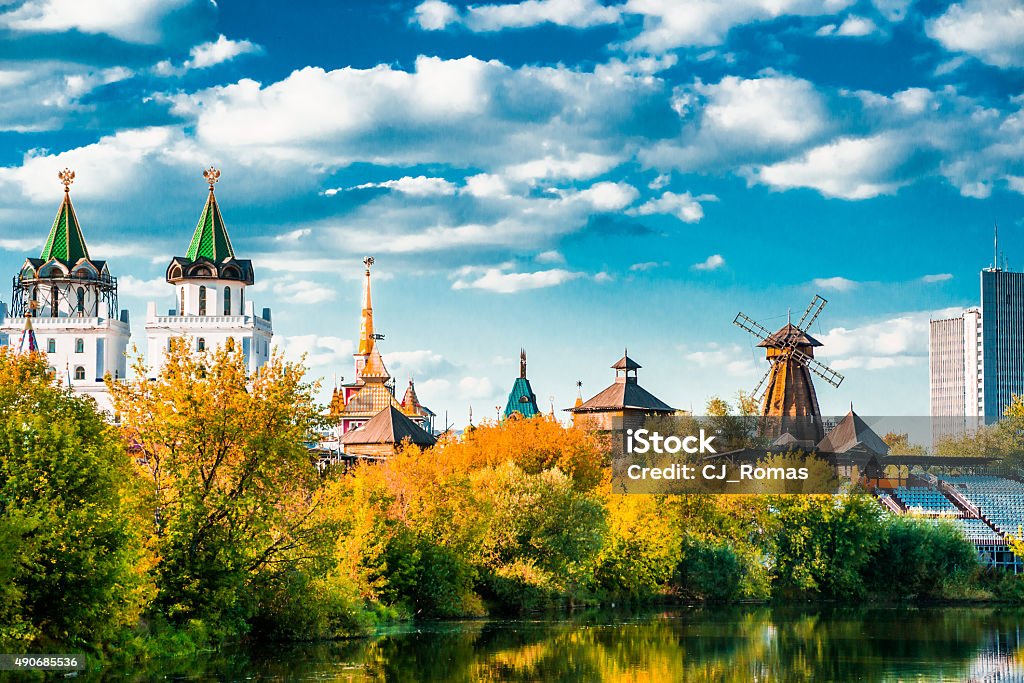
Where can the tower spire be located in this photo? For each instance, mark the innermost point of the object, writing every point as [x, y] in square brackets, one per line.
[366, 319]
[211, 240]
[65, 241]
[522, 363]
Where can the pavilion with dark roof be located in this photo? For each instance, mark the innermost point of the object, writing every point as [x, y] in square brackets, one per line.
[384, 434]
[623, 405]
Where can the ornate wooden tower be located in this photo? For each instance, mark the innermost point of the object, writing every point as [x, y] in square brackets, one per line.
[788, 402]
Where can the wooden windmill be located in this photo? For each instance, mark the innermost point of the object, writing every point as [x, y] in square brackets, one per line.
[785, 393]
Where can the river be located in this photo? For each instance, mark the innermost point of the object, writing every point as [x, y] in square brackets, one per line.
[677, 644]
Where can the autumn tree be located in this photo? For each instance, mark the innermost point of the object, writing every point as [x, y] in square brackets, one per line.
[230, 484]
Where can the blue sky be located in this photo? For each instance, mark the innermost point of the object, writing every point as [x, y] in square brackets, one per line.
[569, 176]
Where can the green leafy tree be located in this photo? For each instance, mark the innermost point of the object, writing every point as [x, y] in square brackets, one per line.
[70, 565]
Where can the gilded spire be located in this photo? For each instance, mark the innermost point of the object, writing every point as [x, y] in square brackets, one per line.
[210, 240]
[65, 241]
[366, 319]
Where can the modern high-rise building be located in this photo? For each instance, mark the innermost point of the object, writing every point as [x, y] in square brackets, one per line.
[976, 359]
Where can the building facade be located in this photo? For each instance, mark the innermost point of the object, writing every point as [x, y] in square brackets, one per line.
[976, 359]
[623, 405]
[72, 301]
[209, 288]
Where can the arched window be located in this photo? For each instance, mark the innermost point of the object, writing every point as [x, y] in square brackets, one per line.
[79, 372]
[202, 299]
[181, 307]
[54, 305]
[51, 345]
[35, 294]
[202, 344]
[227, 301]
[80, 306]
[79, 346]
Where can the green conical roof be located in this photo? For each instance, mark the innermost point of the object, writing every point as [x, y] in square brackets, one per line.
[65, 241]
[211, 236]
[521, 399]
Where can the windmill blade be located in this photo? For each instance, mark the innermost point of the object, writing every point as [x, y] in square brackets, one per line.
[813, 310]
[756, 393]
[752, 326]
[825, 372]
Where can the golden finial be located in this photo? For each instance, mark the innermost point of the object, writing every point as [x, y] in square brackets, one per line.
[212, 175]
[34, 305]
[67, 176]
[368, 261]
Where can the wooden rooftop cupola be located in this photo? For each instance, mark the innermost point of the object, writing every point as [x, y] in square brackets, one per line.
[625, 368]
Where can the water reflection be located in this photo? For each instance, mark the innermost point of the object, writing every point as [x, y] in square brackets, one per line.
[699, 644]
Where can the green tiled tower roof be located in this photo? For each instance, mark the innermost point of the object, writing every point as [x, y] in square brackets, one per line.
[521, 399]
[211, 236]
[65, 241]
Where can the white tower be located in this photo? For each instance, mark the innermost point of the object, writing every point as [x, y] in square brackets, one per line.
[73, 303]
[209, 290]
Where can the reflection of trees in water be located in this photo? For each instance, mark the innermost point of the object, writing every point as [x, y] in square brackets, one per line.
[708, 644]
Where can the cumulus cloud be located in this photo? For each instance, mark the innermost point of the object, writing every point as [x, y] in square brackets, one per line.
[732, 359]
[713, 262]
[301, 292]
[133, 287]
[852, 26]
[991, 30]
[684, 206]
[936, 277]
[897, 341]
[433, 15]
[135, 21]
[669, 24]
[848, 168]
[647, 265]
[322, 351]
[209, 54]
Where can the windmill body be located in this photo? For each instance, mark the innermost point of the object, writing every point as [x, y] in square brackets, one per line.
[789, 403]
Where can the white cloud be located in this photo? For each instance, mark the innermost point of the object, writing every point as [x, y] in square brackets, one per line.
[606, 196]
[580, 167]
[434, 15]
[838, 284]
[135, 21]
[647, 265]
[420, 186]
[852, 26]
[322, 351]
[991, 30]
[486, 185]
[294, 235]
[684, 206]
[131, 286]
[741, 119]
[848, 168]
[301, 292]
[502, 281]
[936, 277]
[475, 388]
[21, 244]
[419, 363]
[550, 256]
[733, 360]
[713, 262]
[209, 54]
[668, 24]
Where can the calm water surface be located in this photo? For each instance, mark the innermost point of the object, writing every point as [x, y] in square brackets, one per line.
[698, 644]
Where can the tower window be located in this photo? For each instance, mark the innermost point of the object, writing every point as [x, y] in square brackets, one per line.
[227, 301]
[80, 305]
[51, 345]
[202, 300]
[79, 372]
[181, 307]
[241, 302]
[79, 346]
[202, 344]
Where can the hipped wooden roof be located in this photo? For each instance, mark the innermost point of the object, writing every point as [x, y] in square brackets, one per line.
[389, 426]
